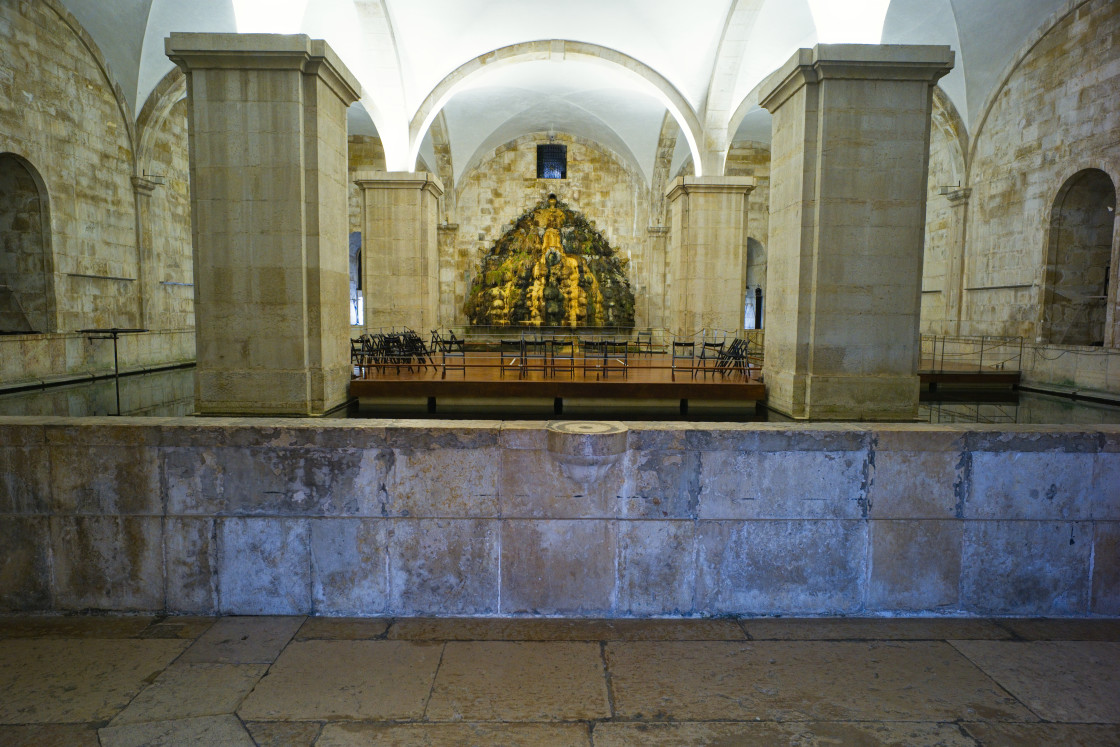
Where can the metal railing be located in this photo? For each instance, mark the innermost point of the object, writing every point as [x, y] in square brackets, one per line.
[946, 354]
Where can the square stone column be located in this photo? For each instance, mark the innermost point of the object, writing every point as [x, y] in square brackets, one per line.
[400, 249]
[707, 247]
[268, 164]
[849, 163]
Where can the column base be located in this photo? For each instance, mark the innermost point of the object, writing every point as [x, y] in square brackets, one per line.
[810, 397]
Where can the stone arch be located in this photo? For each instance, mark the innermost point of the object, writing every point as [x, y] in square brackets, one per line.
[27, 301]
[674, 101]
[171, 89]
[755, 259]
[1078, 260]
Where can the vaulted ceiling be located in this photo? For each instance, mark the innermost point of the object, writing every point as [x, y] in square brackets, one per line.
[606, 70]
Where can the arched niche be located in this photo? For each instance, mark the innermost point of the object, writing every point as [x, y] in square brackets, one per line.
[1078, 259]
[26, 266]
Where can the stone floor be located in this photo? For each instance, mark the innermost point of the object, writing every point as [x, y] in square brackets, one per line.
[121, 680]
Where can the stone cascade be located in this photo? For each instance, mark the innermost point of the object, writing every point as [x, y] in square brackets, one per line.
[552, 269]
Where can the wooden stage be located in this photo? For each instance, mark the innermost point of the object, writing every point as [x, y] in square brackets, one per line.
[480, 376]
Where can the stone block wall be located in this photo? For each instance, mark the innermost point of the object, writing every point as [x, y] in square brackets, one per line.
[580, 519]
[60, 113]
[32, 359]
[1057, 114]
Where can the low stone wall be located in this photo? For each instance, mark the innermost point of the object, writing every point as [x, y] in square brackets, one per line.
[46, 358]
[579, 518]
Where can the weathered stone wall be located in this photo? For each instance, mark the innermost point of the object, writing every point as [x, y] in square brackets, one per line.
[941, 241]
[170, 215]
[491, 518]
[1058, 113]
[31, 359]
[59, 112]
[493, 193]
[746, 158]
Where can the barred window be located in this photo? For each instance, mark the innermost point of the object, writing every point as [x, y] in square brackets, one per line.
[552, 161]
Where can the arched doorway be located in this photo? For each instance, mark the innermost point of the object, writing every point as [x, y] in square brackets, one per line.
[26, 269]
[1078, 260]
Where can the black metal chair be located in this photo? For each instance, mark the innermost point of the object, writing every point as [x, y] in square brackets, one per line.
[645, 341]
[710, 353]
[453, 355]
[563, 355]
[616, 356]
[594, 356]
[534, 354]
[683, 351]
[509, 353]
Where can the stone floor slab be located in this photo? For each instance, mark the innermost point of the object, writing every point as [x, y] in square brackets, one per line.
[205, 731]
[342, 629]
[357, 680]
[1058, 680]
[1044, 735]
[68, 681]
[41, 735]
[185, 627]
[870, 629]
[803, 681]
[243, 640]
[189, 690]
[74, 626]
[519, 681]
[498, 629]
[1064, 630]
[768, 734]
[454, 735]
[284, 733]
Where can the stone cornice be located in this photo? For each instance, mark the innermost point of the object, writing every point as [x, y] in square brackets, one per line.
[927, 63]
[710, 185]
[193, 51]
[421, 180]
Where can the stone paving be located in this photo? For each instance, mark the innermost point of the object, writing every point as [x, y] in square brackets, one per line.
[132, 680]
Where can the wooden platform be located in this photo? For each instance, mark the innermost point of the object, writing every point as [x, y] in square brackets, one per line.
[646, 377]
[966, 374]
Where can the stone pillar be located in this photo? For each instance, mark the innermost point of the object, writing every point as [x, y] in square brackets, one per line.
[145, 254]
[400, 267]
[849, 163]
[454, 274]
[268, 164]
[954, 266]
[656, 294]
[707, 246]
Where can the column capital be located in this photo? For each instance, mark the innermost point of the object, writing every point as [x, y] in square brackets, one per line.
[957, 196]
[297, 52]
[420, 180]
[683, 185]
[926, 63]
[144, 186]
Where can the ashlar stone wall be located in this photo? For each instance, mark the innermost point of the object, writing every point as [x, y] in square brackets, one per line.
[591, 519]
[59, 112]
[504, 184]
[747, 158]
[1059, 113]
[170, 214]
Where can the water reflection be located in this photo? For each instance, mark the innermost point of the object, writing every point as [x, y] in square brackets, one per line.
[157, 394]
[1029, 408]
[171, 394]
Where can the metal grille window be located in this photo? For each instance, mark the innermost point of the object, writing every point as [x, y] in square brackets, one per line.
[552, 162]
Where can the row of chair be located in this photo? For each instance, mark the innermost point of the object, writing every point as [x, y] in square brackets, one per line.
[383, 349]
[713, 357]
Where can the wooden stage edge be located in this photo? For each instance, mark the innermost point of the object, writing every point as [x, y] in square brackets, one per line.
[643, 381]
